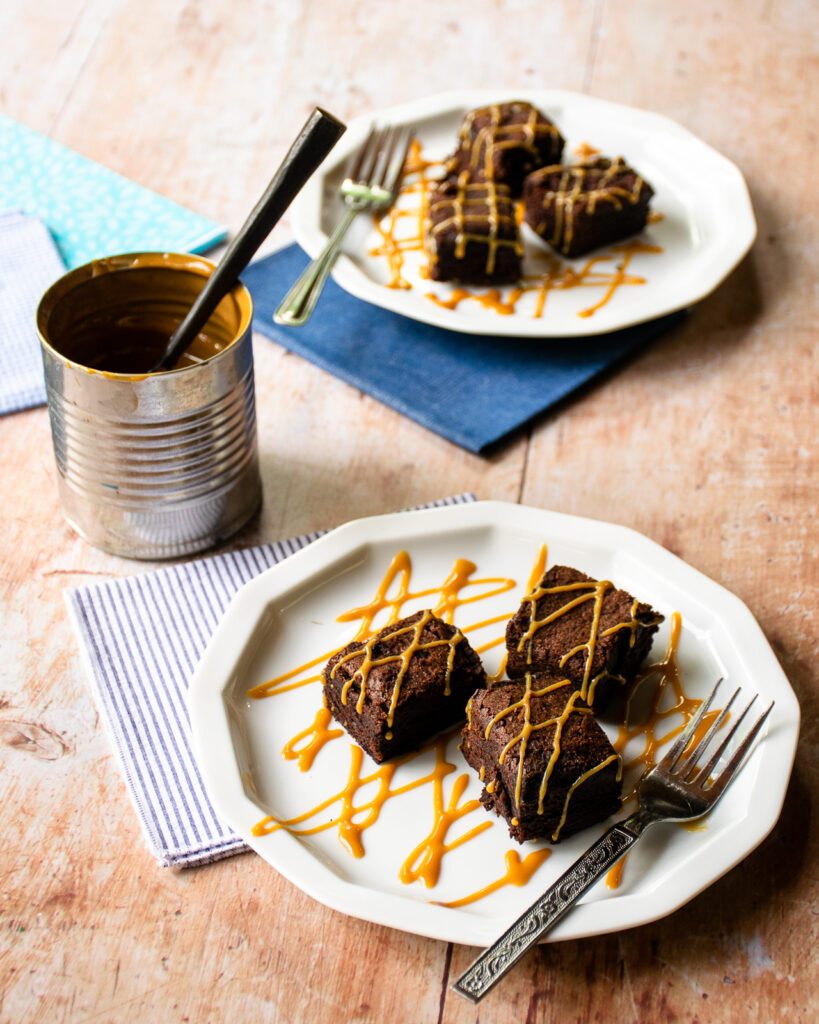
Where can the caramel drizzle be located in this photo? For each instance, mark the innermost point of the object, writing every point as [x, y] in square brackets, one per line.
[354, 819]
[416, 183]
[585, 151]
[495, 136]
[594, 590]
[425, 860]
[559, 276]
[522, 738]
[667, 674]
[518, 872]
[579, 782]
[398, 574]
[317, 735]
[351, 830]
[527, 728]
[572, 185]
[466, 208]
[403, 658]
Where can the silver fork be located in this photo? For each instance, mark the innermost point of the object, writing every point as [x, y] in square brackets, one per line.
[676, 789]
[372, 181]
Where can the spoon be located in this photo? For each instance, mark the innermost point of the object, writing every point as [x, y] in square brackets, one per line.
[320, 133]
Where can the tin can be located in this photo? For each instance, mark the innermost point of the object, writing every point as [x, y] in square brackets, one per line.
[151, 465]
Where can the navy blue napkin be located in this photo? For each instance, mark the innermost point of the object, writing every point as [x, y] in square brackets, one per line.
[473, 390]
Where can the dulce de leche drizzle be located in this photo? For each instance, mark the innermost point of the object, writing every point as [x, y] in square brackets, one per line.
[474, 204]
[356, 805]
[416, 183]
[579, 593]
[518, 872]
[557, 723]
[396, 240]
[414, 634]
[596, 182]
[482, 146]
[668, 682]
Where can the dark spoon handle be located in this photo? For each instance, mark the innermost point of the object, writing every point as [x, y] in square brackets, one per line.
[320, 133]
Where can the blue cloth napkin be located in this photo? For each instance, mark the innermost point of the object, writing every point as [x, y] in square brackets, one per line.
[90, 210]
[473, 390]
[29, 263]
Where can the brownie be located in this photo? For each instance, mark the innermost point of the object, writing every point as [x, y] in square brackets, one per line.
[505, 142]
[416, 676]
[572, 613]
[579, 207]
[471, 234]
[549, 770]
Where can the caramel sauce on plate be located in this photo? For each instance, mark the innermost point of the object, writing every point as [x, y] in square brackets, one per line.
[356, 806]
[518, 872]
[402, 229]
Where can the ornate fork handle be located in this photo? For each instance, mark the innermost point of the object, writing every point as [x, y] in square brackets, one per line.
[543, 915]
[296, 307]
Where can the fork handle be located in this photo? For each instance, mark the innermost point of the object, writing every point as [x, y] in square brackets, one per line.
[544, 914]
[297, 306]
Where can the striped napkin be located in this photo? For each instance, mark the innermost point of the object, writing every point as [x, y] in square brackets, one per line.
[140, 668]
[29, 263]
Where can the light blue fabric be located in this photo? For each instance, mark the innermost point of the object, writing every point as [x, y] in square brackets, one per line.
[90, 210]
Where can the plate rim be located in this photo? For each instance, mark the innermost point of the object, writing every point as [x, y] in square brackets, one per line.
[306, 215]
[214, 752]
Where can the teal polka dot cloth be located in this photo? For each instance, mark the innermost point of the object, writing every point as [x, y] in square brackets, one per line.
[90, 210]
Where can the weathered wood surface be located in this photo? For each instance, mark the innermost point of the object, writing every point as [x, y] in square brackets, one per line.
[707, 443]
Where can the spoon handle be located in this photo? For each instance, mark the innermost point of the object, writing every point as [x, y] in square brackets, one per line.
[320, 133]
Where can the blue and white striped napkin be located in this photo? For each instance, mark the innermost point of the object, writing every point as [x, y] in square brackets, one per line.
[29, 263]
[140, 667]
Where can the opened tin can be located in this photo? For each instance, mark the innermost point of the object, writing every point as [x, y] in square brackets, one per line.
[151, 465]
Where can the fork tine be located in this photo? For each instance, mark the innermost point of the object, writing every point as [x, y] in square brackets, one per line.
[690, 764]
[722, 781]
[684, 738]
[714, 760]
[390, 138]
[364, 153]
[397, 168]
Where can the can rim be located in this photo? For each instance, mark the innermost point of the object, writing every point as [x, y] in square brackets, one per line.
[121, 263]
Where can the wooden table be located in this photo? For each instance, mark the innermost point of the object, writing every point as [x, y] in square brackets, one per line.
[706, 442]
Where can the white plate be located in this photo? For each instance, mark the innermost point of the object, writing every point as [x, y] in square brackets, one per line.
[288, 615]
[708, 223]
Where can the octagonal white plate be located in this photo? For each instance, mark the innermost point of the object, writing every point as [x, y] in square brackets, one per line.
[288, 615]
[708, 223]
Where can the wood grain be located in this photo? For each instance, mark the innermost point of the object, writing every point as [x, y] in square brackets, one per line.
[706, 442]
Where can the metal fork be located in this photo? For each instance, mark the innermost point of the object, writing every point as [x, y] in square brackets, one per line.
[676, 789]
[372, 181]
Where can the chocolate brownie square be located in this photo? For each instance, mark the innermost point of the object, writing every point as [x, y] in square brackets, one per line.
[580, 207]
[583, 629]
[471, 234]
[505, 142]
[408, 682]
[547, 766]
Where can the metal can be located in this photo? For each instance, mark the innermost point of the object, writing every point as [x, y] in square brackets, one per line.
[151, 465]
